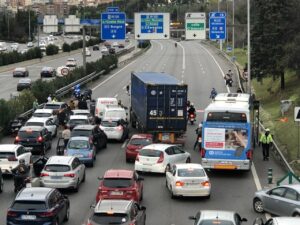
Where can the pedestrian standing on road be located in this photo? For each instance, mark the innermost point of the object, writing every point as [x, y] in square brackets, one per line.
[35, 104]
[72, 104]
[66, 135]
[127, 89]
[49, 99]
[266, 140]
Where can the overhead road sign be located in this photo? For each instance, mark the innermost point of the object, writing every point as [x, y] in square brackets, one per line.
[113, 26]
[195, 24]
[112, 9]
[89, 22]
[149, 26]
[217, 26]
[297, 114]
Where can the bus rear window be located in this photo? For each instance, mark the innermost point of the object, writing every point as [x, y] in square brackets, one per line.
[226, 117]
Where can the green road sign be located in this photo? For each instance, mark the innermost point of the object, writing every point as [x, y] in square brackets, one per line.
[195, 26]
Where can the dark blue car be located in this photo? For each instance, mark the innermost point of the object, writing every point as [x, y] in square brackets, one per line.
[38, 206]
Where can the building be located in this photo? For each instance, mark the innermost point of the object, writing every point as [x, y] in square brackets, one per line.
[60, 10]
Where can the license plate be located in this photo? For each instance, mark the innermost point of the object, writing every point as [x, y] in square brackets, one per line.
[28, 217]
[79, 156]
[116, 193]
[56, 177]
[224, 166]
[109, 129]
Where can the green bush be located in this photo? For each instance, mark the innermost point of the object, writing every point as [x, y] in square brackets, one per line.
[52, 50]
[7, 58]
[66, 47]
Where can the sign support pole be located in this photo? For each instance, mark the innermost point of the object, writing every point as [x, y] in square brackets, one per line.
[83, 52]
[298, 141]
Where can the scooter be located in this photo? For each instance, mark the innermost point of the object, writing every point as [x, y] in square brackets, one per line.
[229, 82]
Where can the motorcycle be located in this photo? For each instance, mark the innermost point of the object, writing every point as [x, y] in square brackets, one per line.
[192, 118]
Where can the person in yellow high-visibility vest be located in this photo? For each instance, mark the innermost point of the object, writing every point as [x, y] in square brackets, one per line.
[266, 140]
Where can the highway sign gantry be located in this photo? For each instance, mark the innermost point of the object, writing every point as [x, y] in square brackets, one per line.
[217, 26]
[113, 26]
[149, 26]
[195, 24]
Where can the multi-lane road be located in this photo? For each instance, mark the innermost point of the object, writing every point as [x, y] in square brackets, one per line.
[201, 68]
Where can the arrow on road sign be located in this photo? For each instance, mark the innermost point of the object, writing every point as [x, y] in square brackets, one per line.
[297, 114]
[195, 35]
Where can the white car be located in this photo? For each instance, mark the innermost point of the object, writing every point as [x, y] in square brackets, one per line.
[188, 179]
[63, 172]
[45, 113]
[29, 44]
[49, 123]
[115, 44]
[104, 50]
[159, 158]
[87, 52]
[3, 47]
[115, 129]
[78, 120]
[83, 112]
[71, 63]
[10, 155]
[14, 46]
[23, 51]
[115, 112]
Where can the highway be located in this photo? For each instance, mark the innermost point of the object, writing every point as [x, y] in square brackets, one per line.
[201, 68]
[11, 82]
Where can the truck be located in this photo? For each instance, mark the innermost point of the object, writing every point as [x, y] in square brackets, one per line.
[159, 106]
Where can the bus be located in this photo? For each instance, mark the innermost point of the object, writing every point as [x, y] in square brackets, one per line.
[226, 133]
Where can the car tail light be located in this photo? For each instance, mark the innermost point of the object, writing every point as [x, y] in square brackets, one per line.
[40, 139]
[137, 158]
[119, 127]
[88, 222]
[192, 116]
[46, 214]
[202, 152]
[12, 158]
[205, 183]
[249, 154]
[11, 213]
[161, 158]
[44, 175]
[69, 175]
[179, 183]
[17, 139]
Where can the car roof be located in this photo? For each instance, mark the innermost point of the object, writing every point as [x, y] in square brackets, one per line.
[158, 147]
[188, 165]
[142, 136]
[33, 128]
[116, 206]
[293, 186]
[25, 80]
[116, 173]
[34, 193]
[55, 103]
[43, 111]
[80, 111]
[286, 220]
[21, 68]
[80, 138]
[216, 214]
[61, 160]
[38, 119]
[111, 119]
[47, 68]
[9, 147]
[74, 117]
[83, 127]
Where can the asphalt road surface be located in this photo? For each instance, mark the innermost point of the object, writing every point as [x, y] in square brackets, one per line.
[8, 83]
[201, 68]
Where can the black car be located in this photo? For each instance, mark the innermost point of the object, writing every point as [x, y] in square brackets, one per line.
[125, 212]
[96, 48]
[39, 206]
[1, 181]
[34, 138]
[112, 51]
[48, 72]
[87, 131]
[59, 107]
[24, 84]
[20, 72]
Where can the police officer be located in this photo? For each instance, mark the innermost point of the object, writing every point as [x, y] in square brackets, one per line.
[266, 140]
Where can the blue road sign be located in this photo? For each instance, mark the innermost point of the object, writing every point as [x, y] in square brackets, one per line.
[112, 9]
[89, 21]
[113, 26]
[152, 24]
[217, 25]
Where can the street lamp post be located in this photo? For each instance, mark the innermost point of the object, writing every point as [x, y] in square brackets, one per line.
[249, 47]
[233, 8]
[29, 35]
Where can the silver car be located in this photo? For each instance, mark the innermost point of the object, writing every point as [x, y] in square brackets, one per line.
[219, 217]
[63, 172]
[278, 221]
[282, 200]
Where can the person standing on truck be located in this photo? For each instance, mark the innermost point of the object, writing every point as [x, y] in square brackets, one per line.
[266, 140]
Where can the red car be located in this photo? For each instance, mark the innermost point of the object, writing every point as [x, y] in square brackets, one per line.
[137, 142]
[120, 184]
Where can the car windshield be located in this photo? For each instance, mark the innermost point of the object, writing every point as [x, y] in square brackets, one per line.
[106, 218]
[6, 155]
[191, 172]
[140, 141]
[42, 114]
[81, 133]
[57, 168]
[78, 144]
[78, 122]
[28, 134]
[82, 113]
[150, 153]
[29, 205]
[117, 182]
[52, 106]
[109, 123]
[216, 222]
[115, 114]
[39, 124]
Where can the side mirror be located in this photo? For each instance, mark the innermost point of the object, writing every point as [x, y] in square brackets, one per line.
[143, 208]
[99, 178]
[92, 206]
[140, 178]
[66, 197]
[244, 220]
[192, 218]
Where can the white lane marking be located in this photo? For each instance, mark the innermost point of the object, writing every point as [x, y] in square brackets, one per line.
[124, 144]
[223, 75]
[5, 75]
[183, 59]
[116, 95]
[161, 45]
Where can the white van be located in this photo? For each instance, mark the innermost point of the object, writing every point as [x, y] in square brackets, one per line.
[102, 103]
[112, 112]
